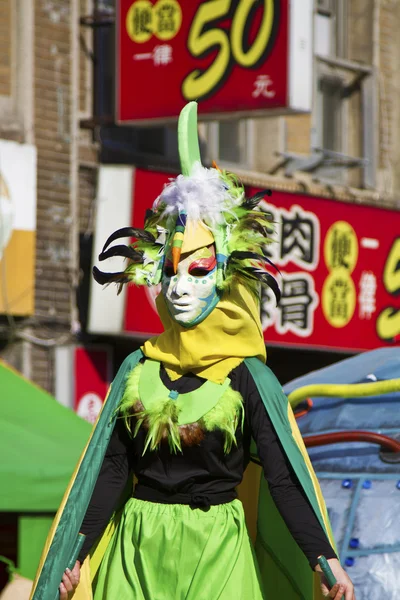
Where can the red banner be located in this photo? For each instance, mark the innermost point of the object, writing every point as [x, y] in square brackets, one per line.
[92, 371]
[340, 266]
[228, 56]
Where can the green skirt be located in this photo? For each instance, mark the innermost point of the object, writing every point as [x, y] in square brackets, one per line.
[172, 552]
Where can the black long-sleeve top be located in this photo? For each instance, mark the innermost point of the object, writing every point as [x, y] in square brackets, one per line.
[205, 471]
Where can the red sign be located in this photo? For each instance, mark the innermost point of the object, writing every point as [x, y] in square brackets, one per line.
[231, 56]
[340, 272]
[92, 370]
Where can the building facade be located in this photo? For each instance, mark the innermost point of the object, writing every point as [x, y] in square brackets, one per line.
[56, 94]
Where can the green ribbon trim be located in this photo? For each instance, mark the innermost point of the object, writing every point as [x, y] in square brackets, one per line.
[276, 404]
[191, 406]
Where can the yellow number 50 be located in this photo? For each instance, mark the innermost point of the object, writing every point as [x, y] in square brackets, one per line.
[388, 321]
[205, 37]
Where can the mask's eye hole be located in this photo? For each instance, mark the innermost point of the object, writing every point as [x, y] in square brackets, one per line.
[199, 272]
[202, 267]
[169, 271]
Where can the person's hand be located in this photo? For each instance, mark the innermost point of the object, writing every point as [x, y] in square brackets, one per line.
[343, 585]
[70, 582]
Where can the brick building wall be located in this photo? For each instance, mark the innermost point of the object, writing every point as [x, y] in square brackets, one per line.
[53, 138]
[389, 94]
[66, 169]
[54, 59]
[5, 47]
[67, 172]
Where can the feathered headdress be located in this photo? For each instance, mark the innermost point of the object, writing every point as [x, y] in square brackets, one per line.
[199, 207]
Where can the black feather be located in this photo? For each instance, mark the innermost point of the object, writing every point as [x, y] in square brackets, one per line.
[122, 250]
[266, 279]
[256, 199]
[255, 224]
[259, 215]
[103, 278]
[139, 234]
[242, 255]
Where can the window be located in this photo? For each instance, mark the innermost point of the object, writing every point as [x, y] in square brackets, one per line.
[155, 146]
[324, 7]
[16, 68]
[344, 101]
[329, 41]
[85, 63]
[142, 146]
[330, 102]
[103, 71]
[228, 142]
[331, 28]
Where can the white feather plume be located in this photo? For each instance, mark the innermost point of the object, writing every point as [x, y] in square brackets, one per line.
[203, 196]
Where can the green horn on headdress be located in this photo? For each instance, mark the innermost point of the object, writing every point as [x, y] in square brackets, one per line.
[189, 154]
[188, 140]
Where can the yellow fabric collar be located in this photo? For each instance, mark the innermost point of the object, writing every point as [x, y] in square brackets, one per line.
[214, 347]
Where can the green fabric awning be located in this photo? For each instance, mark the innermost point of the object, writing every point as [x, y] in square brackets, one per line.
[40, 443]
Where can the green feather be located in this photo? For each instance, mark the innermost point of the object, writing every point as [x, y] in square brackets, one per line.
[162, 419]
[131, 394]
[225, 416]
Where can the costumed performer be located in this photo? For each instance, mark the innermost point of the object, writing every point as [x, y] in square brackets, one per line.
[181, 414]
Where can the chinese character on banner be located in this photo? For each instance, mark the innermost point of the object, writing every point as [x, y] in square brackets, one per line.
[299, 238]
[341, 246]
[338, 291]
[139, 21]
[297, 305]
[298, 235]
[262, 87]
[367, 295]
[168, 18]
[339, 297]
[163, 19]
[339, 306]
[295, 311]
[162, 54]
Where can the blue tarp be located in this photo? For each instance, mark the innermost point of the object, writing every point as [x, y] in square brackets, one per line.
[380, 414]
[362, 492]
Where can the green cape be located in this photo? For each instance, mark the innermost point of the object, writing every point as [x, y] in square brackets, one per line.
[277, 562]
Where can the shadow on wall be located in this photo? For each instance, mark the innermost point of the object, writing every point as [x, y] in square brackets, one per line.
[287, 364]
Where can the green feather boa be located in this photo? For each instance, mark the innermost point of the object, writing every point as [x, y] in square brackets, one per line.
[162, 420]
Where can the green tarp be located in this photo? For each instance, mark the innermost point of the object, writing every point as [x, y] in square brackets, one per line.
[40, 443]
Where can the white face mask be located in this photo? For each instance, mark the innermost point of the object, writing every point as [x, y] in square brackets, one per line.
[191, 293]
